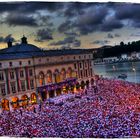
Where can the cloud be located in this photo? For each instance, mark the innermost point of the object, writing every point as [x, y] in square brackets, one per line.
[76, 9]
[127, 11]
[101, 42]
[87, 22]
[77, 43]
[7, 38]
[72, 34]
[91, 20]
[135, 34]
[63, 42]
[44, 35]
[110, 24]
[71, 40]
[65, 26]
[117, 35]
[15, 19]
[111, 35]
[30, 7]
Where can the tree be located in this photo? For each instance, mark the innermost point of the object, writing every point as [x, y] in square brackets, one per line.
[122, 44]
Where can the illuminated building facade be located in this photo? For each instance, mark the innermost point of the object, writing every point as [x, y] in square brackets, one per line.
[25, 67]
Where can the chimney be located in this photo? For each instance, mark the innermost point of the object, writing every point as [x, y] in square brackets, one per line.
[24, 40]
[9, 43]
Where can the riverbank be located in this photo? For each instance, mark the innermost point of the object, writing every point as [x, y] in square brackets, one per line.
[131, 69]
[114, 62]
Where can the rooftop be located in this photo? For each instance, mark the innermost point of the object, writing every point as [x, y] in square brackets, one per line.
[25, 50]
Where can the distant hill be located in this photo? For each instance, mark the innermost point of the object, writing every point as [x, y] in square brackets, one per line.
[117, 50]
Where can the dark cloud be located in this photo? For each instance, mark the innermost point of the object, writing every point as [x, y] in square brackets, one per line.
[90, 21]
[71, 40]
[87, 22]
[63, 42]
[72, 34]
[30, 7]
[111, 35]
[76, 9]
[101, 42]
[16, 19]
[127, 11]
[117, 35]
[65, 26]
[7, 38]
[44, 35]
[77, 43]
[9, 6]
[110, 24]
[130, 12]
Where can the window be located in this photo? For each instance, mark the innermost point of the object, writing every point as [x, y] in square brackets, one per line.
[11, 75]
[20, 62]
[21, 74]
[13, 87]
[62, 58]
[29, 62]
[3, 91]
[90, 63]
[79, 57]
[74, 57]
[47, 59]
[39, 60]
[23, 85]
[30, 72]
[80, 65]
[84, 56]
[81, 74]
[1, 76]
[75, 66]
[0, 65]
[10, 64]
[85, 64]
[32, 84]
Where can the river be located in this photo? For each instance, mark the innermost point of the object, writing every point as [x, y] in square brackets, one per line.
[131, 69]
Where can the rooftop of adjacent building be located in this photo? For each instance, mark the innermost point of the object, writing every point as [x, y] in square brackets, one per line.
[25, 50]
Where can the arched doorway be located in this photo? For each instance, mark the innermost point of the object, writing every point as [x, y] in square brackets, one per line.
[5, 104]
[25, 100]
[82, 84]
[92, 81]
[51, 93]
[58, 91]
[77, 86]
[69, 72]
[57, 76]
[49, 76]
[87, 83]
[33, 98]
[72, 88]
[15, 102]
[41, 78]
[44, 95]
[63, 74]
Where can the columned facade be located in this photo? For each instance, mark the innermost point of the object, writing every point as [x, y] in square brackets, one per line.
[20, 76]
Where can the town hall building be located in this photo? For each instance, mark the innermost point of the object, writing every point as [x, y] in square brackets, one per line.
[28, 73]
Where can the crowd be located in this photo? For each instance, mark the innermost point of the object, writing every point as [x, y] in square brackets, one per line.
[108, 109]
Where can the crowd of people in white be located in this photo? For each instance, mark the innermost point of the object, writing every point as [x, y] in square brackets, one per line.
[107, 109]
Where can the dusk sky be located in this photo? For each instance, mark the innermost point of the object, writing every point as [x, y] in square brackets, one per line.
[69, 24]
